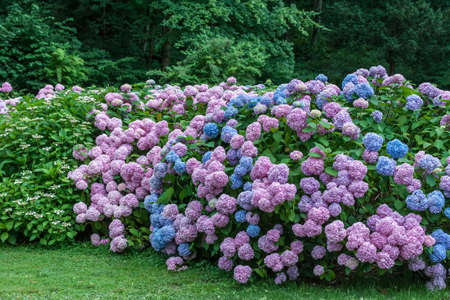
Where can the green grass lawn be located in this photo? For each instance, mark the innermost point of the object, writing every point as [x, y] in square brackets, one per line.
[85, 272]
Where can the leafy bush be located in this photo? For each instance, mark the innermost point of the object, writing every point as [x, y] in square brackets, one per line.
[37, 140]
[333, 180]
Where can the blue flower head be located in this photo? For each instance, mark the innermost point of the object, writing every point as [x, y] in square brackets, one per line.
[429, 163]
[396, 149]
[385, 166]
[149, 201]
[180, 166]
[266, 101]
[417, 201]
[350, 78]
[245, 200]
[240, 170]
[253, 101]
[322, 98]
[160, 170]
[233, 156]
[183, 249]
[167, 233]
[206, 157]
[436, 201]
[172, 157]
[441, 237]
[439, 253]
[211, 130]
[253, 230]
[236, 102]
[377, 116]
[413, 102]
[446, 211]
[246, 162]
[248, 186]
[373, 141]
[364, 90]
[155, 183]
[230, 112]
[236, 181]
[227, 133]
[239, 216]
[321, 77]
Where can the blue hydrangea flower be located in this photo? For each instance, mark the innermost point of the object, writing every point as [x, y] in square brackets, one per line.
[321, 77]
[439, 253]
[266, 101]
[230, 112]
[350, 78]
[373, 141]
[322, 98]
[246, 162]
[436, 201]
[245, 200]
[149, 200]
[396, 149]
[429, 163]
[446, 211]
[441, 237]
[211, 130]
[377, 116]
[253, 230]
[233, 156]
[413, 102]
[180, 166]
[236, 181]
[239, 216]
[155, 183]
[248, 186]
[236, 102]
[183, 249]
[417, 201]
[364, 90]
[240, 170]
[385, 166]
[167, 233]
[160, 170]
[206, 157]
[172, 157]
[227, 133]
[253, 102]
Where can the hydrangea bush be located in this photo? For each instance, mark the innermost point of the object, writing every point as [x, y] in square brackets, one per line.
[307, 179]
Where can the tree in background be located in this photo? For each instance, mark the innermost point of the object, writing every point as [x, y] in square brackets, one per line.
[178, 40]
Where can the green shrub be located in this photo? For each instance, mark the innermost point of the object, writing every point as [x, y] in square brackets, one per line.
[35, 155]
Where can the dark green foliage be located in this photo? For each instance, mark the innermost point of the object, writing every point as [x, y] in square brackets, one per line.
[107, 42]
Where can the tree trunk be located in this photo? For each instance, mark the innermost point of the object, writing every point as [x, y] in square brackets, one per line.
[165, 61]
[317, 8]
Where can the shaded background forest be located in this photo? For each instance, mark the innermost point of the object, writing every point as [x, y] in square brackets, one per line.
[105, 42]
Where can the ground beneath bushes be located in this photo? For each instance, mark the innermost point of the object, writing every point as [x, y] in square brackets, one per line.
[85, 272]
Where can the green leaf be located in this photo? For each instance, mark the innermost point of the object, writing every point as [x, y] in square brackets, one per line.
[166, 196]
[4, 236]
[314, 154]
[431, 181]
[398, 204]
[331, 171]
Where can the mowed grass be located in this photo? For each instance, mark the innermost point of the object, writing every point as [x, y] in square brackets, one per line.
[85, 272]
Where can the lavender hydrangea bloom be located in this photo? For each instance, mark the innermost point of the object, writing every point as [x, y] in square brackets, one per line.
[385, 166]
[373, 141]
[413, 102]
[377, 116]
